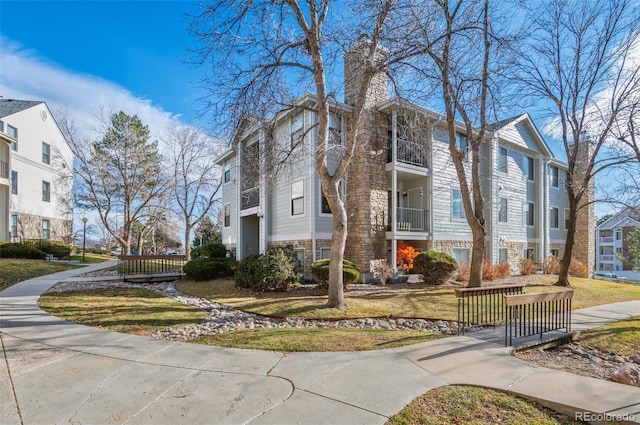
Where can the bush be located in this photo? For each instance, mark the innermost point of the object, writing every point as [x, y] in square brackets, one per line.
[17, 250]
[210, 250]
[527, 266]
[209, 268]
[578, 268]
[350, 272]
[435, 267]
[59, 250]
[490, 271]
[274, 271]
[405, 256]
[551, 265]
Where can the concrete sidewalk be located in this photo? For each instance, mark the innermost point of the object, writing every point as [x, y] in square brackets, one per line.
[55, 372]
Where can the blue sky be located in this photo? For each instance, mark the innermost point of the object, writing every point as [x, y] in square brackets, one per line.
[127, 53]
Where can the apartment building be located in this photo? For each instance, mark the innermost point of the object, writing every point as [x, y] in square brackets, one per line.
[36, 180]
[611, 244]
[400, 187]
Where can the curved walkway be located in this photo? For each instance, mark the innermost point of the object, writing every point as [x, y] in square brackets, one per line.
[56, 372]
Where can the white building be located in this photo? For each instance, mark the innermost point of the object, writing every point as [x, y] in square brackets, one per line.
[611, 243]
[39, 170]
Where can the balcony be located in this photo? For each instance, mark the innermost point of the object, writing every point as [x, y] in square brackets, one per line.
[4, 170]
[250, 198]
[606, 241]
[606, 258]
[409, 153]
[412, 220]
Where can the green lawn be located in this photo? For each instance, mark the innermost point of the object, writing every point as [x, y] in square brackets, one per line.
[91, 258]
[13, 271]
[425, 302]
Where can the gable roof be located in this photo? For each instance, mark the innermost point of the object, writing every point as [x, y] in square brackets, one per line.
[626, 216]
[525, 118]
[12, 106]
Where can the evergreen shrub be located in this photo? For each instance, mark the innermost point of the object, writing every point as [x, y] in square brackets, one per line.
[350, 272]
[17, 250]
[273, 271]
[209, 268]
[435, 267]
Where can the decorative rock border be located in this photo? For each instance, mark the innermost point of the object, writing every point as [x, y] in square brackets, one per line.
[222, 318]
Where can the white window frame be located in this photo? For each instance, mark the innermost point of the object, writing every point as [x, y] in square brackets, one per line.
[227, 172]
[503, 159]
[528, 166]
[13, 132]
[529, 209]
[297, 194]
[462, 143]
[46, 229]
[46, 153]
[526, 251]
[618, 234]
[297, 129]
[503, 258]
[224, 218]
[325, 253]
[503, 210]
[14, 182]
[554, 176]
[335, 129]
[46, 194]
[554, 211]
[566, 218]
[298, 250]
[457, 254]
[462, 215]
[13, 226]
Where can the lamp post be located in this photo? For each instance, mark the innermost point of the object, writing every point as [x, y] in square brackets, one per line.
[84, 236]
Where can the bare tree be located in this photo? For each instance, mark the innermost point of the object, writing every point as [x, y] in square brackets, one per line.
[195, 179]
[577, 63]
[456, 47]
[267, 54]
[119, 176]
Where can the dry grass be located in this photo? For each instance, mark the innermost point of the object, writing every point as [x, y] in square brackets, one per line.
[474, 405]
[622, 337]
[317, 339]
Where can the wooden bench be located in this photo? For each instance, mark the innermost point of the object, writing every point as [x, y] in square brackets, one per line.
[536, 314]
[483, 306]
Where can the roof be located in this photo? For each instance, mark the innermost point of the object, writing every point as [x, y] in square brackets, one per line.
[12, 106]
[626, 217]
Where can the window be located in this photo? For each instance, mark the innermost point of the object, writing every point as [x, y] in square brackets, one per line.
[46, 191]
[502, 160]
[14, 182]
[528, 253]
[324, 204]
[227, 172]
[457, 209]
[297, 130]
[619, 250]
[461, 255]
[529, 214]
[463, 145]
[2, 126]
[553, 218]
[503, 255]
[325, 253]
[14, 226]
[46, 229]
[13, 132]
[555, 252]
[298, 253]
[335, 129]
[566, 219]
[503, 212]
[297, 197]
[227, 215]
[46, 153]
[553, 176]
[618, 234]
[528, 167]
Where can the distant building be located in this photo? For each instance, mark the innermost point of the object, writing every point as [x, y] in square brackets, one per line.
[36, 179]
[611, 243]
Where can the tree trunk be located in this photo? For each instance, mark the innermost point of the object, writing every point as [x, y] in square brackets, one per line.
[477, 256]
[338, 243]
[563, 273]
[187, 241]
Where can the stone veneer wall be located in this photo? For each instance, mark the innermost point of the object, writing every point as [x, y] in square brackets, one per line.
[366, 188]
[307, 244]
[30, 227]
[515, 252]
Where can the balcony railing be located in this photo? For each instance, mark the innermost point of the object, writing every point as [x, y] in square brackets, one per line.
[412, 220]
[250, 198]
[606, 258]
[4, 169]
[409, 153]
[607, 240]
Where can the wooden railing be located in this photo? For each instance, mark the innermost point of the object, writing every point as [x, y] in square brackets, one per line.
[536, 314]
[483, 306]
[150, 268]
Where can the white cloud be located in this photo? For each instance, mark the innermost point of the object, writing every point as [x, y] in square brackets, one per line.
[28, 76]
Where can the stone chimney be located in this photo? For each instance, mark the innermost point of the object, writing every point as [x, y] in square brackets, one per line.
[366, 199]
[584, 248]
